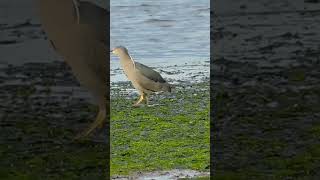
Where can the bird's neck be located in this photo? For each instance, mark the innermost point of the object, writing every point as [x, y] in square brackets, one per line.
[126, 60]
[125, 57]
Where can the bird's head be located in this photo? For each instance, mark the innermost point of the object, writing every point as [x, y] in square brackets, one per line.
[120, 50]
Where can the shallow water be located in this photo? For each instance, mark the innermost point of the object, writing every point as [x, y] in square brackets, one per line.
[161, 33]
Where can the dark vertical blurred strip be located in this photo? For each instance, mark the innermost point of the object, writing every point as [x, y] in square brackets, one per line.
[264, 89]
[37, 125]
[108, 96]
[212, 105]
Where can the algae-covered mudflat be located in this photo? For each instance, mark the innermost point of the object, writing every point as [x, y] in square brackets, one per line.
[173, 133]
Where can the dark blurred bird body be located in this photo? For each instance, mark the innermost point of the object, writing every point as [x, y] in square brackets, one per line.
[143, 78]
[78, 32]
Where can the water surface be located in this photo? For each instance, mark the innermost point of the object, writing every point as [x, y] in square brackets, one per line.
[160, 33]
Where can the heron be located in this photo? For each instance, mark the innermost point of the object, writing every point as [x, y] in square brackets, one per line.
[143, 78]
[78, 31]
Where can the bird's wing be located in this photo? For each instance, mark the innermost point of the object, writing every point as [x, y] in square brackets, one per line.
[146, 73]
[94, 16]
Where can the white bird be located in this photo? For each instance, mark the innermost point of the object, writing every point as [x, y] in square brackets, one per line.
[78, 31]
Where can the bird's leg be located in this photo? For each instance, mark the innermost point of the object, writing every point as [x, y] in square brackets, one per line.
[100, 119]
[139, 101]
[146, 99]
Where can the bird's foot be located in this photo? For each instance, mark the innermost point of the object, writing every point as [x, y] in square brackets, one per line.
[137, 104]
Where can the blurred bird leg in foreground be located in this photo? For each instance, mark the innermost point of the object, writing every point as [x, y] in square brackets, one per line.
[78, 31]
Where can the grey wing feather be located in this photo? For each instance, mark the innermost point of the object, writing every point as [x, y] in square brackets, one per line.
[149, 73]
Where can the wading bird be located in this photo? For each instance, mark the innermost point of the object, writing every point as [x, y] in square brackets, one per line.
[143, 78]
[78, 31]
